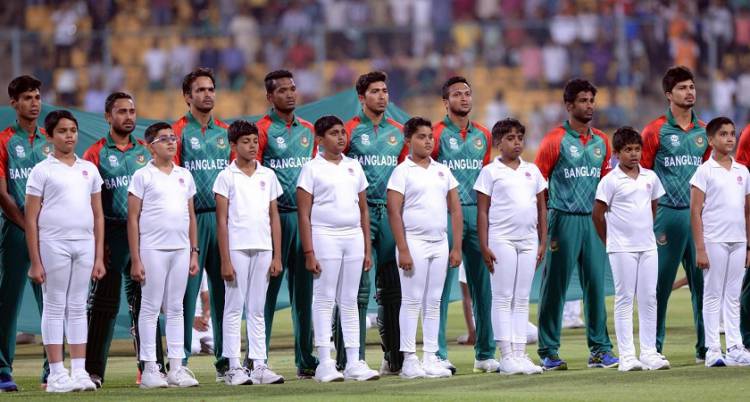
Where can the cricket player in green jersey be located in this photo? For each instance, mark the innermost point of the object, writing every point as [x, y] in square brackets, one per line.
[573, 157]
[465, 147]
[377, 142]
[674, 145]
[117, 155]
[285, 143]
[203, 149]
[22, 145]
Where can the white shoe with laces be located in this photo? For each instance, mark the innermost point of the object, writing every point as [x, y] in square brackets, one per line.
[654, 361]
[360, 371]
[629, 363]
[237, 376]
[509, 366]
[61, 382]
[83, 379]
[433, 368]
[385, 369]
[527, 366]
[181, 377]
[264, 375]
[737, 356]
[326, 372]
[153, 378]
[486, 366]
[412, 369]
[445, 363]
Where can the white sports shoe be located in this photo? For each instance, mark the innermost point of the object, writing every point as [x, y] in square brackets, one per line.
[326, 372]
[412, 368]
[654, 361]
[153, 378]
[237, 376]
[573, 322]
[528, 366]
[61, 382]
[264, 375]
[486, 366]
[360, 371]
[433, 368]
[629, 363]
[181, 377]
[385, 369]
[445, 363]
[714, 358]
[83, 379]
[509, 366]
[737, 356]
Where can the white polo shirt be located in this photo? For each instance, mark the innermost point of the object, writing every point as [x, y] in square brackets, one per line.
[630, 220]
[425, 198]
[513, 209]
[66, 191]
[335, 189]
[724, 207]
[165, 216]
[249, 198]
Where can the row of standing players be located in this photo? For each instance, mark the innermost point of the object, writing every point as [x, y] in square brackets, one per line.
[286, 142]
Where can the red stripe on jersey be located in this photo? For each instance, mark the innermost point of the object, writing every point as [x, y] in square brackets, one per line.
[5, 136]
[549, 151]
[263, 125]
[743, 148]
[650, 136]
[437, 131]
[92, 153]
[349, 127]
[177, 128]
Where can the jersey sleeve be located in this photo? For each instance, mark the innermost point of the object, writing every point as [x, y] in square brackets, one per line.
[191, 184]
[607, 162]
[36, 180]
[437, 132]
[137, 185]
[3, 159]
[743, 147]
[541, 183]
[699, 179]
[221, 185]
[650, 136]
[488, 139]
[397, 181]
[276, 189]
[484, 182]
[363, 183]
[657, 190]
[306, 181]
[604, 191]
[549, 153]
[92, 154]
[96, 182]
[452, 182]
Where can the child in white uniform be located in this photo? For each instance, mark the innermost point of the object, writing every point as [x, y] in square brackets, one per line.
[249, 235]
[420, 191]
[512, 228]
[65, 236]
[623, 215]
[334, 228]
[719, 207]
[162, 238]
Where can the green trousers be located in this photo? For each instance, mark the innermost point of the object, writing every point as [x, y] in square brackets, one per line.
[573, 244]
[14, 267]
[745, 310]
[299, 281]
[675, 245]
[478, 280]
[104, 302]
[210, 260]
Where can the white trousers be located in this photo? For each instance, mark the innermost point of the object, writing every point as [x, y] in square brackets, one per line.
[247, 292]
[511, 284]
[67, 266]
[635, 275]
[167, 274]
[722, 283]
[421, 290]
[340, 259]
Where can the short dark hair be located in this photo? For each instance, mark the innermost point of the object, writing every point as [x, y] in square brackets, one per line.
[270, 79]
[715, 124]
[505, 126]
[325, 123]
[576, 86]
[187, 82]
[22, 84]
[452, 80]
[412, 125]
[675, 75]
[54, 117]
[113, 97]
[153, 130]
[624, 136]
[241, 128]
[364, 81]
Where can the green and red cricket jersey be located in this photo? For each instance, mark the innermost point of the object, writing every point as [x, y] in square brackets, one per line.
[19, 153]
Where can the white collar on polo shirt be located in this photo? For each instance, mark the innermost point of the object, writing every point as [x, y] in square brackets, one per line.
[411, 163]
[522, 164]
[619, 173]
[714, 164]
[236, 169]
[53, 159]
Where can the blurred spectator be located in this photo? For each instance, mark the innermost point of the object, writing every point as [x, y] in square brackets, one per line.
[343, 75]
[301, 54]
[182, 60]
[743, 97]
[66, 20]
[161, 12]
[722, 94]
[564, 26]
[115, 78]
[531, 63]
[601, 56]
[718, 26]
[95, 96]
[244, 31]
[308, 83]
[233, 64]
[685, 51]
[67, 87]
[209, 55]
[273, 53]
[295, 21]
[496, 110]
[357, 13]
[156, 62]
[555, 61]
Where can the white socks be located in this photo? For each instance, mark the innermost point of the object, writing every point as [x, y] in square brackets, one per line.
[352, 355]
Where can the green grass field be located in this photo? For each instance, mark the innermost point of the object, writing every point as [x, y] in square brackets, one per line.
[685, 381]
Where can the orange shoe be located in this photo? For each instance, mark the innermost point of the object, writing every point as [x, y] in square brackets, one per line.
[138, 377]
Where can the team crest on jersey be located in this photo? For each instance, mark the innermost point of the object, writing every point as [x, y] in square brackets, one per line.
[113, 161]
[392, 140]
[365, 139]
[675, 140]
[574, 151]
[182, 181]
[304, 141]
[528, 175]
[281, 142]
[262, 185]
[195, 143]
[453, 143]
[553, 246]
[597, 152]
[648, 186]
[441, 175]
[699, 141]
[739, 179]
[661, 239]
[478, 143]
[20, 152]
[221, 143]
[46, 150]
[351, 171]
[140, 159]
[85, 174]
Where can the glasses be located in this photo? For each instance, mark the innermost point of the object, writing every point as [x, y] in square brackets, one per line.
[165, 138]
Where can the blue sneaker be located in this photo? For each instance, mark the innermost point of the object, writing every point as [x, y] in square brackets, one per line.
[7, 384]
[554, 362]
[603, 360]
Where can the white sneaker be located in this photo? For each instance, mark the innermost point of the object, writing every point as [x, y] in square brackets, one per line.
[326, 372]
[264, 375]
[527, 365]
[412, 368]
[385, 369]
[182, 377]
[509, 366]
[737, 356]
[714, 358]
[83, 379]
[532, 333]
[445, 363]
[433, 368]
[486, 366]
[237, 376]
[360, 371]
[573, 322]
[629, 363]
[654, 361]
[153, 378]
[61, 382]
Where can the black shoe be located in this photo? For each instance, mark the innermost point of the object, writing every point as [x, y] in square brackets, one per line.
[305, 374]
[96, 380]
